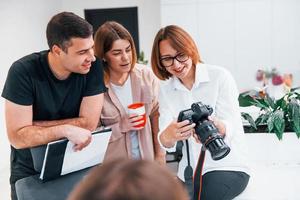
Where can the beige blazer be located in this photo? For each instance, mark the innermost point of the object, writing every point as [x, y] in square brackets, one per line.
[144, 87]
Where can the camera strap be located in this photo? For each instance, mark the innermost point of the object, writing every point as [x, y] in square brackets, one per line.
[198, 175]
[194, 184]
[188, 173]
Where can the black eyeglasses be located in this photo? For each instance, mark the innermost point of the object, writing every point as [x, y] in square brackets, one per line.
[169, 61]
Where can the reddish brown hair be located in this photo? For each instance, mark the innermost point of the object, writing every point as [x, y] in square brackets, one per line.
[179, 40]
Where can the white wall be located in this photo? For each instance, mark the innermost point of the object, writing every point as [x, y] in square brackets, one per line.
[148, 16]
[242, 35]
[23, 31]
[20, 35]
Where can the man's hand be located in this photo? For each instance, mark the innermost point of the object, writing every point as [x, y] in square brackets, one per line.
[80, 137]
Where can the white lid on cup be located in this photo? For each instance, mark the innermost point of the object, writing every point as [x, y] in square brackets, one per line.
[136, 108]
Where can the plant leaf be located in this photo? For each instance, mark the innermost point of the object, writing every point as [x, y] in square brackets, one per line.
[265, 117]
[259, 119]
[269, 101]
[280, 103]
[279, 123]
[261, 103]
[246, 100]
[294, 115]
[270, 122]
[248, 117]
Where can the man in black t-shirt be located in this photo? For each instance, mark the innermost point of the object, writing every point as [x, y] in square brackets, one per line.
[53, 94]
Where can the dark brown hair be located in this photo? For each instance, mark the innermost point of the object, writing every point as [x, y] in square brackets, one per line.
[179, 40]
[104, 38]
[64, 26]
[129, 180]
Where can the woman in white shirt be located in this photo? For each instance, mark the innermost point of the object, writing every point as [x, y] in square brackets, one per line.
[186, 80]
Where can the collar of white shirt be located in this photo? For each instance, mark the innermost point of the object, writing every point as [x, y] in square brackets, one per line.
[201, 77]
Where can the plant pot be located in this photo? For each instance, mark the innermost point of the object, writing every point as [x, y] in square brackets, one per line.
[260, 129]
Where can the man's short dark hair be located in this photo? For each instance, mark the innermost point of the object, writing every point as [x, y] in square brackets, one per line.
[65, 26]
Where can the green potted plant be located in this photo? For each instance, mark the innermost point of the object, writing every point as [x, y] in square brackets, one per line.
[276, 116]
[141, 58]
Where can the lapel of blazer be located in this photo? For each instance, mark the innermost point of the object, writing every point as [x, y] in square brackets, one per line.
[115, 100]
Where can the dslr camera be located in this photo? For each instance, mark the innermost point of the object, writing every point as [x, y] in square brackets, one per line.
[206, 131]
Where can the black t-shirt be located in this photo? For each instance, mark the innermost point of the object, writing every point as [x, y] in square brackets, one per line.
[31, 82]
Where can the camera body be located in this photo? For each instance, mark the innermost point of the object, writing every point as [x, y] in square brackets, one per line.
[205, 129]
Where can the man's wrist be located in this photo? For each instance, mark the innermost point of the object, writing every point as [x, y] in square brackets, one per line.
[62, 131]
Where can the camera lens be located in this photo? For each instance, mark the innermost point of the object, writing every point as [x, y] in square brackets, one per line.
[218, 148]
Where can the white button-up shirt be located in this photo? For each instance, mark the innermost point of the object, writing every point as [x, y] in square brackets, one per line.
[216, 87]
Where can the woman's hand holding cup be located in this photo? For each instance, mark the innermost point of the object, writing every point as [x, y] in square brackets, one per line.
[137, 116]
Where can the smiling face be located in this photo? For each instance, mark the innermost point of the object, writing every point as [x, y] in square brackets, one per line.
[119, 57]
[179, 69]
[79, 56]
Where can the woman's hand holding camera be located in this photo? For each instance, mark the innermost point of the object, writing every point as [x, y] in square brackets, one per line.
[176, 131]
[218, 123]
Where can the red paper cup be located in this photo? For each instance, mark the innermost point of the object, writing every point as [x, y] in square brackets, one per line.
[138, 109]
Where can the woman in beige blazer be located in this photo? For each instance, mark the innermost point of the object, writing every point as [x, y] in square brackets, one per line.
[127, 83]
